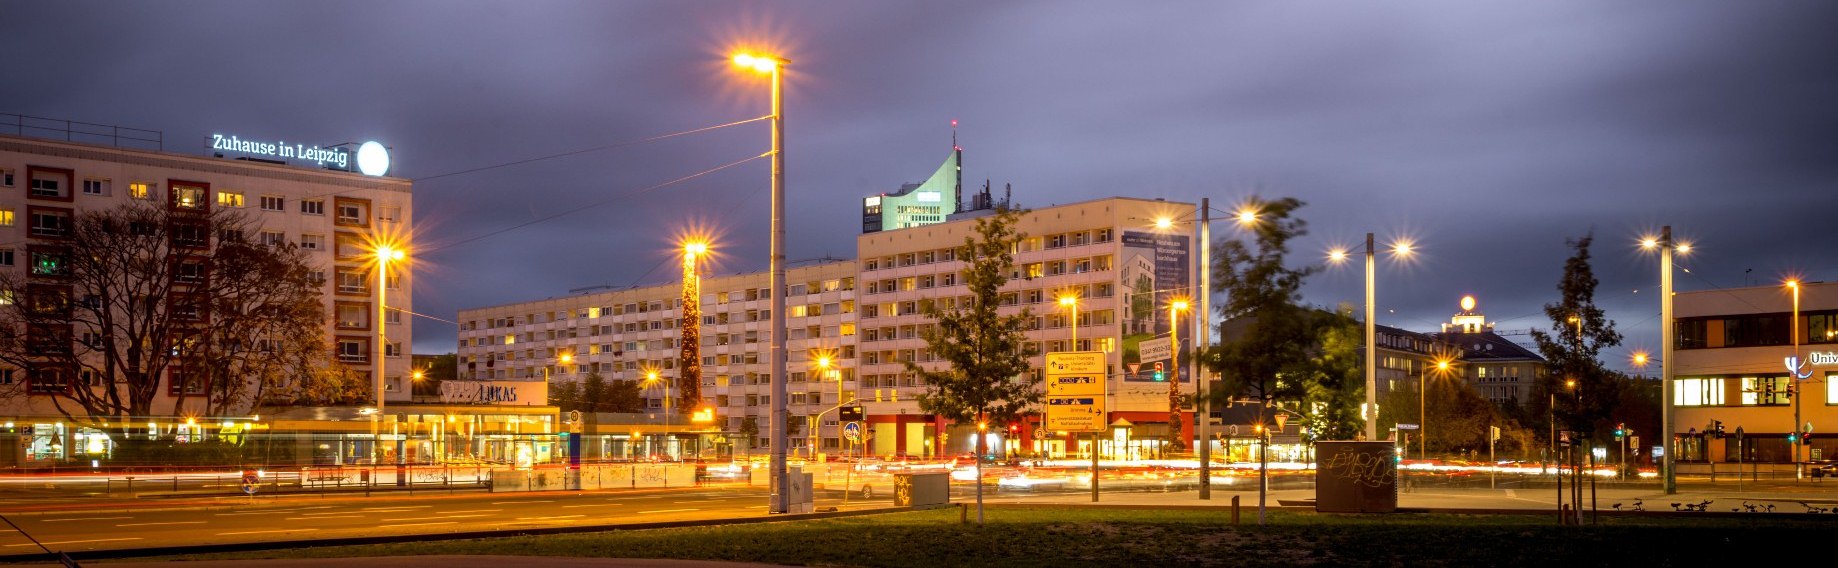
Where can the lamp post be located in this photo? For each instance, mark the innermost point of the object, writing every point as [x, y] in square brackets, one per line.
[825, 369]
[1400, 249]
[652, 378]
[1203, 403]
[1071, 303]
[385, 254]
[781, 500]
[1666, 330]
[1799, 469]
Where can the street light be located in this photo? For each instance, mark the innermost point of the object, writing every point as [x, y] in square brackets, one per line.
[1069, 301]
[1423, 416]
[652, 378]
[1174, 386]
[825, 369]
[1402, 248]
[1799, 468]
[384, 253]
[774, 66]
[1663, 243]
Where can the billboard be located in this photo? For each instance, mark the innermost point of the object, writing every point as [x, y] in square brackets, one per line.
[501, 393]
[1155, 269]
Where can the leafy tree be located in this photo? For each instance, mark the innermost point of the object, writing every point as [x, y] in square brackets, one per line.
[986, 379]
[749, 429]
[565, 395]
[1269, 359]
[593, 393]
[265, 329]
[1335, 384]
[618, 396]
[1579, 331]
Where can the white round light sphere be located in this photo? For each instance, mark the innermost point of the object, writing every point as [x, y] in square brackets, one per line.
[372, 159]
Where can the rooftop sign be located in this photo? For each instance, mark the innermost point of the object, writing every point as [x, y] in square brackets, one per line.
[372, 158]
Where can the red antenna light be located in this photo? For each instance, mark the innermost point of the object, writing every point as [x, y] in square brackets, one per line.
[953, 123]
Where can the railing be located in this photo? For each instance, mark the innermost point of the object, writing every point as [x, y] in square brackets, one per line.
[74, 131]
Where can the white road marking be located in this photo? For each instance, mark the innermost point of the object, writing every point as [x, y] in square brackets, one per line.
[548, 518]
[470, 511]
[253, 513]
[600, 505]
[666, 511]
[85, 519]
[518, 502]
[415, 524]
[324, 517]
[164, 523]
[401, 508]
[76, 541]
[264, 532]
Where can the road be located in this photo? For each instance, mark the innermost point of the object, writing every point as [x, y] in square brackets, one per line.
[321, 518]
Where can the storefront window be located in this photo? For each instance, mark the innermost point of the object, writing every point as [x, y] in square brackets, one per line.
[1698, 392]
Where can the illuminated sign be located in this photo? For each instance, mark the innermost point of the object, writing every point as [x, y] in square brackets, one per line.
[1799, 368]
[928, 197]
[503, 393]
[372, 158]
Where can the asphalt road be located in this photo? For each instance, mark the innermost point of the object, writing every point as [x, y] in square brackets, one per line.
[318, 518]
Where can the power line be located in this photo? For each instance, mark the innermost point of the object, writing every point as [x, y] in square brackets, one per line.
[593, 149]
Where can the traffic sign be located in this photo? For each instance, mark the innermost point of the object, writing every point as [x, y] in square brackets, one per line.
[1076, 363]
[851, 413]
[1407, 426]
[1075, 385]
[251, 482]
[852, 431]
[1075, 413]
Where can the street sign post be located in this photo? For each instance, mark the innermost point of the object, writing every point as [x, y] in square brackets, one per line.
[852, 431]
[1158, 349]
[1076, 383]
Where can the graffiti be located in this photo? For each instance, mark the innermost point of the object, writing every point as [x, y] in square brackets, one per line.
[1370, 470]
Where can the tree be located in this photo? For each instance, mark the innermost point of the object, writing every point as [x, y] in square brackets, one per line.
[987, 379]
[566, 395]
[749, 429]
[1579, 332]
[139, 298]
[1266, 336]
[1335, 383]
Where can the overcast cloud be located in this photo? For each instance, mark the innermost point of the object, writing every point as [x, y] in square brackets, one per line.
[1489, 132]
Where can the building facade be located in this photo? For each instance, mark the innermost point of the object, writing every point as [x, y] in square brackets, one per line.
[334, 215]
[1501, 371]
[1743, 361]
[916, 204]
[633, 335]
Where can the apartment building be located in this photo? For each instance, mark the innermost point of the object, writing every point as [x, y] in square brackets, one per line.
[1105, 252]
[1498, 369]
[628, 334]
[333, 214]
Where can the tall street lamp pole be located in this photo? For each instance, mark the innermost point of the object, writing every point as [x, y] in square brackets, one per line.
[1071, 303]
[781, 500]
[1174, 386]
[1371, 344]
[1668, 446]
[1799, 470]
[1203, 406]
[651, 377]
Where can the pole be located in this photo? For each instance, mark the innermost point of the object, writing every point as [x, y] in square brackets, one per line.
[1094, 467]
[1263, 468]
[1665, 359]
[1423, 416]
[1174, 365]
[1203, 340]
[781, 500]
[1595, 516]
[1559, 470]
[1371, 348]
[1799, 468]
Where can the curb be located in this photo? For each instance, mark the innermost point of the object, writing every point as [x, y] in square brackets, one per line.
[122, 553]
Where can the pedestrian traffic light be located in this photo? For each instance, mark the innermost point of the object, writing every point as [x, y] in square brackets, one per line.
[1159, 376]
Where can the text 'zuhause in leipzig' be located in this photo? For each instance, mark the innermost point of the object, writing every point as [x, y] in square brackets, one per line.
[321, 156]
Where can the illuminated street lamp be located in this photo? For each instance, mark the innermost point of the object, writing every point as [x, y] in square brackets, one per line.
[652, 378]
[1664, 244]
[385, 254]
[774, 66]
[1399, 249]
[1799, 468]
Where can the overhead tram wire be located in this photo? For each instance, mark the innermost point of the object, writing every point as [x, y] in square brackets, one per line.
[592, 205]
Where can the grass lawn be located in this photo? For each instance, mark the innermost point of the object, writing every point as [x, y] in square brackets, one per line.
[1120, 538]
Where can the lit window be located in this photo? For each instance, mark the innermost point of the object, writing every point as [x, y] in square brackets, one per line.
[1698, 392]
[6, 217]
[138, 190]
[187, 196]
[229, 199]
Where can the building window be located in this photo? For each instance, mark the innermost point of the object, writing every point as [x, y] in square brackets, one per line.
[352, 281]
[273, 238]
[50, 223]
[392, 349]
[312, 206]
[187, 197]
[392, 316]
[272, 203]
[353, 315]
[1765, 391]
[139, 190]
[1698, 392]
[389, 214]
[353, 351]
[6, 257]
[229, 199]
[6, 178]
[46, 187]
[95, 187]
[6, 217]
[312, 242]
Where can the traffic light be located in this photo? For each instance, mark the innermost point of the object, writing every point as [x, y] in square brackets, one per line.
[1718, 427]
[1620, 430]
[1159, 376]
[1788, 393]
[1793, 437]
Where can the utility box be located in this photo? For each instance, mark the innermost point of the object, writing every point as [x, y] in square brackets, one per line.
[799, 490]
[921, 489]
[1356, 477]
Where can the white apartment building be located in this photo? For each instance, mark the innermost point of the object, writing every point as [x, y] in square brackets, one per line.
[1106, 252]
[334, 214]
[627, 334]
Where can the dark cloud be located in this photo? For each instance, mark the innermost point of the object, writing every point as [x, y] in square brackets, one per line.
[1491, 132]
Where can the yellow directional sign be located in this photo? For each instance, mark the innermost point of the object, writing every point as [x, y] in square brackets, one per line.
[1075, 413]
[1076, 363]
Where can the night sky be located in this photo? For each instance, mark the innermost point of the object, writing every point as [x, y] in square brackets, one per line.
[1488, 132]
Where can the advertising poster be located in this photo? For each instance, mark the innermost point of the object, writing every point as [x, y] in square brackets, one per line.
[1155, 268]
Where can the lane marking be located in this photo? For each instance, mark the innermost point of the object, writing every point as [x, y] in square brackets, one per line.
[265, 532]
[468, 511]
[517, 502]
[324, 517]
[84, 519]
[667, 511]
[417, 524]
[48, 543]
[600, 505]
[253, 513]
[394, 509]
[548, 518]
[164, 523]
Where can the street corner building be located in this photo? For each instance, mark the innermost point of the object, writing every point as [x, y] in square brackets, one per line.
[336, 204]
